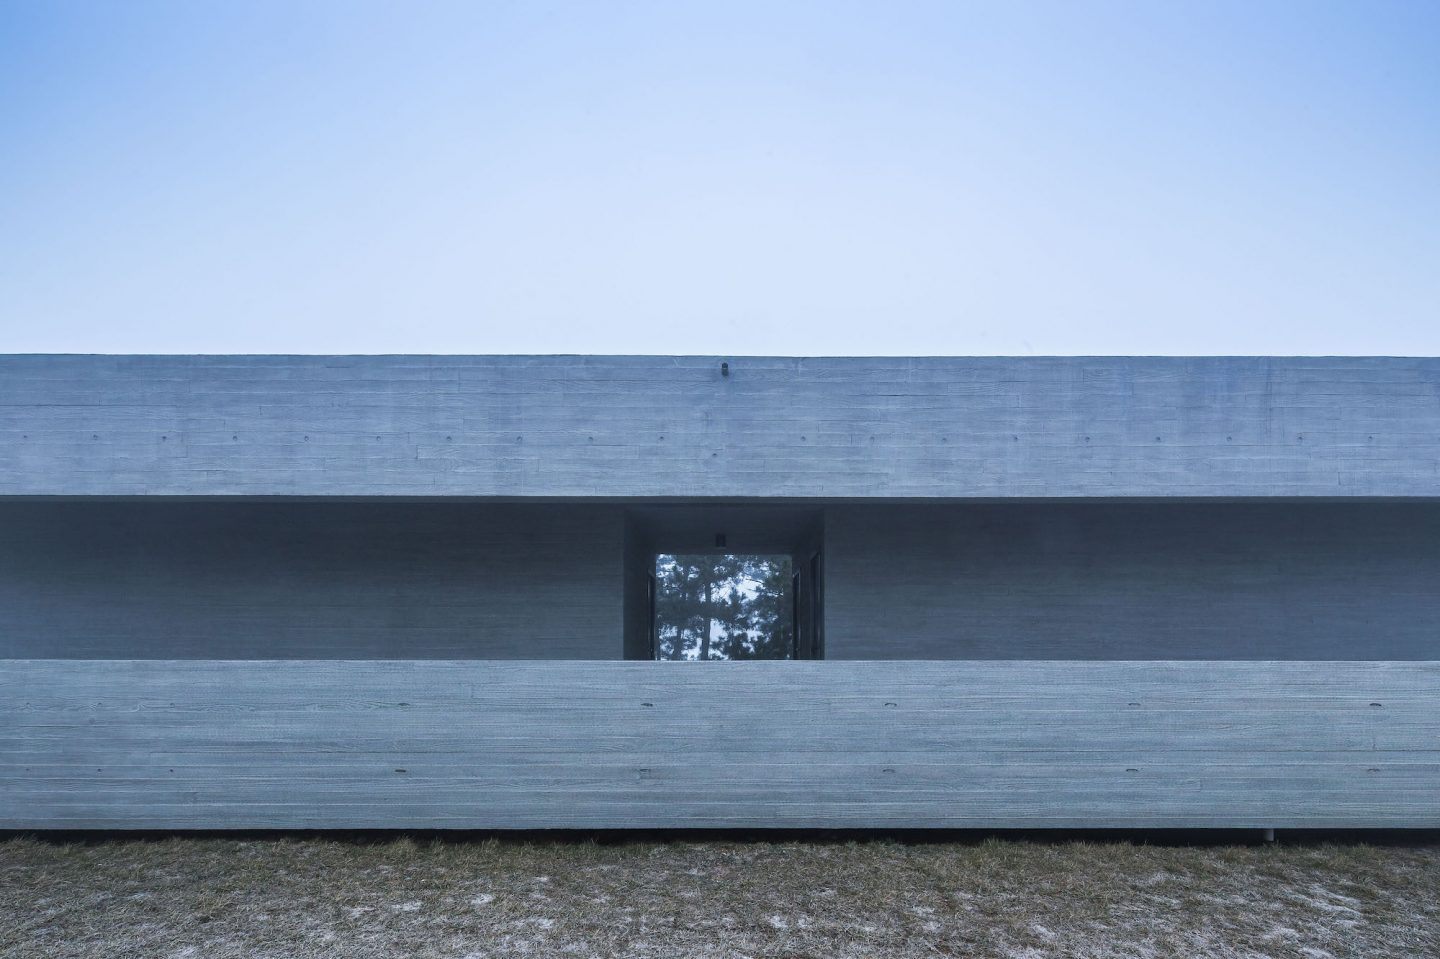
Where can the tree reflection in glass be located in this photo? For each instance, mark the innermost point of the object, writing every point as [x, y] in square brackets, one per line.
[723, 606]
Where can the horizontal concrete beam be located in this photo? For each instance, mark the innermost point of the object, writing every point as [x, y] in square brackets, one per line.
[317, 744]
[681, 427]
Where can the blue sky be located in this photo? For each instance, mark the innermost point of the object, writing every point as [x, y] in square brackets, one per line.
[828, 178]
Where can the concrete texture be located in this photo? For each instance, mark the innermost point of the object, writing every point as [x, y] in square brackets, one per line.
[204, 561]
[1278, 580]
[226, 580]
[655, 427]
[235, 745]
[448, 580]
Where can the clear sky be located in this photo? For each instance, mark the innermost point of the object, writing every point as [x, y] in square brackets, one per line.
[727, 177]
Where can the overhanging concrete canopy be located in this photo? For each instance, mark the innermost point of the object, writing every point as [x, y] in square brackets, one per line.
[660, 427]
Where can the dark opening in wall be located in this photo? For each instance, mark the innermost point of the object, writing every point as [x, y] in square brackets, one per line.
[717, 606]
[723, 582]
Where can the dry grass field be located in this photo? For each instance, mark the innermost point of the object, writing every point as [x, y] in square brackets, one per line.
[339, 899]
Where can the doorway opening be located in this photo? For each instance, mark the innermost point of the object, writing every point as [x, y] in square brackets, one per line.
[717, 606]
[716, 583]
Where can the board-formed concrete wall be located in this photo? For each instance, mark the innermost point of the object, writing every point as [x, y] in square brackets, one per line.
[1279, 580]
[268, 580]
[446, 580]
[236, 745]
[677, 427]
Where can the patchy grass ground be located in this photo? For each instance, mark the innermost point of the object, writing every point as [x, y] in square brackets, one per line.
[336, 899]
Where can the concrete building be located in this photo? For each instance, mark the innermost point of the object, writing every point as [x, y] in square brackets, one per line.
[264, 591]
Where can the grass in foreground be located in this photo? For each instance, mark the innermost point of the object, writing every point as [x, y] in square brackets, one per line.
[302, 898]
